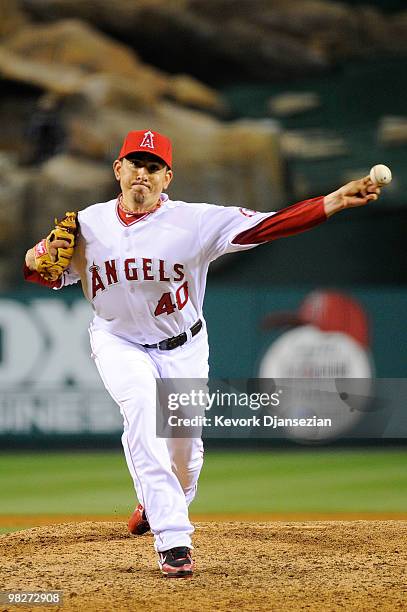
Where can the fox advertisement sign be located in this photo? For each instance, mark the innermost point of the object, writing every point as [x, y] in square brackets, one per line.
[48, 381]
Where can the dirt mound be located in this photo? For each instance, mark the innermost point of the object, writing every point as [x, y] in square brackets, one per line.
[317, 566]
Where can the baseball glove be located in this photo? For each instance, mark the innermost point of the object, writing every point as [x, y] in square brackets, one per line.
[52, 267]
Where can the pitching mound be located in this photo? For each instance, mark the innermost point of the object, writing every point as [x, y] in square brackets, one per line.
[316, 566]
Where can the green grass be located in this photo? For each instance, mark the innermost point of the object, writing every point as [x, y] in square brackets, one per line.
[10, 529]
[65, 483]
[306, 480]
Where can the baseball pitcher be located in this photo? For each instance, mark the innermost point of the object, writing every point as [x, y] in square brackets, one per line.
[142, 260]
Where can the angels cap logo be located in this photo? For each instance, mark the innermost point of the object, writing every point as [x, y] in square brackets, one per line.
[148, 140]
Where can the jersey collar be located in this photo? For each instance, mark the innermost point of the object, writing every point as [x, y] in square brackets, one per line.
[131, 218]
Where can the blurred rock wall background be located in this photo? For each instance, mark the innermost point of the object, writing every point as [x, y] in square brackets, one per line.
[77, 75]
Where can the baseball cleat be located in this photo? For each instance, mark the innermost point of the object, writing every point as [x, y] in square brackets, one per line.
[138, 523]
[176, 562]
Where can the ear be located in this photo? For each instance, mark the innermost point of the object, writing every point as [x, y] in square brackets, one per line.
[117, 165]
[168, 178]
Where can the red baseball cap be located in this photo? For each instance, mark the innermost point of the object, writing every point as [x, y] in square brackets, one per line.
[330, 311]
[148, 142]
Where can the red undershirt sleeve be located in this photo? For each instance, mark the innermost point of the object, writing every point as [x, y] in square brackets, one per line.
[32, 276]
[286, 222]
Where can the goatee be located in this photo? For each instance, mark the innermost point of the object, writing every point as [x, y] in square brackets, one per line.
[139, 196]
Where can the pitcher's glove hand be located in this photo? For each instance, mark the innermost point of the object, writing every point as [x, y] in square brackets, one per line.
[52, 261]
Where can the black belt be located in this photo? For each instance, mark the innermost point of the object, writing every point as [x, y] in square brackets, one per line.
[175, 341]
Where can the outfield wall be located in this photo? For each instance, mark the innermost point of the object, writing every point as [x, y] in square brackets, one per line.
[49, 385]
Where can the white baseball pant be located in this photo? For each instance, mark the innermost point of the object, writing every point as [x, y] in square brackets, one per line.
[165, 471]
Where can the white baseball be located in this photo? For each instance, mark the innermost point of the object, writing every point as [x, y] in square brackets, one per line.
[380, 174]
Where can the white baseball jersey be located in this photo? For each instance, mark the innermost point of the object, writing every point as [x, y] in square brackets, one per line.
[146, 280]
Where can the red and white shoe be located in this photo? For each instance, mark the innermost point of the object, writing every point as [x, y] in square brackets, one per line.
[176, 562]
[138, 523]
